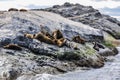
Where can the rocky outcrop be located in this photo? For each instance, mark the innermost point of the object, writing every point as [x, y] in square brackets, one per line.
[16, 24]
[34, 56]
[89, 16]
[18, 63]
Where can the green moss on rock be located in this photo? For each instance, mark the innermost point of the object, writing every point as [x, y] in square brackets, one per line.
[89, 50]
[108, 44]
[73, 55]
[76, 54]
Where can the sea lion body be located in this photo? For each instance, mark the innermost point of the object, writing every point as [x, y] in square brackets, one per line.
[29, 35]
[13, 47]
[43, 38]
[13, 9]
[78, 39]
[57, 34]
[23, 10]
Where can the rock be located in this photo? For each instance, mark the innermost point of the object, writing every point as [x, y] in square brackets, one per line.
[36, 77]
[89, 16]
[97, 62]
[67, 4]
[69, 56]
[108, 52]
[14, 31]
[115, 50]
[39, 57]
[56, 6]
[5, 41]
[9, 74]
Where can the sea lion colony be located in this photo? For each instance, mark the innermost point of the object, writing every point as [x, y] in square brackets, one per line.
[15, 9]
[56, 38]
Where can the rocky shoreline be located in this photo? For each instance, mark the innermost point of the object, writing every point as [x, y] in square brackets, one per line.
[109, 72]
[18, 63]
[36, 56]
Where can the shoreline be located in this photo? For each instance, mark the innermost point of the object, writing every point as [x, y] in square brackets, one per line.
[31, 64]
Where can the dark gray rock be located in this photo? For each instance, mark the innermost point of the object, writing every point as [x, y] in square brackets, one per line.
[89, 16]
[108, 52]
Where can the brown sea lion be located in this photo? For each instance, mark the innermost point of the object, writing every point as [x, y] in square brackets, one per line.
[78, 39]
[57, 34]
[12, 9]
[29, 35]
[61, 42]
[23, 10]
[13, 47]
[43, 38]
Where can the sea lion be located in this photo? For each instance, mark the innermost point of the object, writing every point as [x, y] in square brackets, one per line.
[57, 34]
[29, 35]
[12, 9]
[60, 42]
[43, 38]
[23, 10]
[13, 47]
[95, 46]
[78, 39]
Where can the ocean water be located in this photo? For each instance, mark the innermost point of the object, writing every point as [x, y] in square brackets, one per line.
[111, 71]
